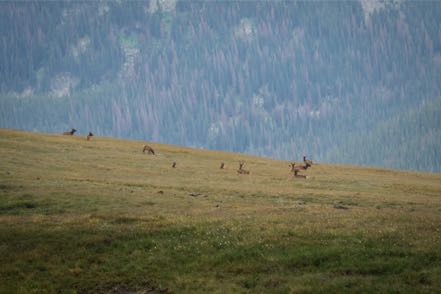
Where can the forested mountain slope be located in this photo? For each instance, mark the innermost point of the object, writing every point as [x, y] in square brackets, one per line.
[416, 132]
[276, 79]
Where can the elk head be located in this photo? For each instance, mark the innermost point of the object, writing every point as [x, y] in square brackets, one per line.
[292, 165]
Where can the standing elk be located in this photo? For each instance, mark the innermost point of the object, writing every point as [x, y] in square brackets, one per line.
[70, 133]
[241, 170]
[148, 149]
[89, 136]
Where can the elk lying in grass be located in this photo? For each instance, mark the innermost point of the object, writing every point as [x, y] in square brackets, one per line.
[222, 165]
[241, 170]
[70, 133]
[148, 149]
[297, 175]
[89, 136]
[174, 164]
[307, 161]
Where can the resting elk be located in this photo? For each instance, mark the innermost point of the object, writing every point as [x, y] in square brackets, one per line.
[89, 136]
[241, 170]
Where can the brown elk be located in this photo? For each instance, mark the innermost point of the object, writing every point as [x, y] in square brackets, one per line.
[89, 136]
[307, 161]
[174, 164]
[148, 149]
[298, 167]
[70, 133]
[297, 175]
[222, 165]
[241, 170]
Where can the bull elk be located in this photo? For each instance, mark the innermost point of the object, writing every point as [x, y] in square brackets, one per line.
[70, 133]
[89, 136]
[148, 149]
[241, 170]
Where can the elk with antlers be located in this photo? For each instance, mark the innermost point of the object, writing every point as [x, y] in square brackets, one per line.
[241, 170]
[70, 133]
[148, 149]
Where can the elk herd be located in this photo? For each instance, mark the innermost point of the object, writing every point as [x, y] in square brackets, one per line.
[295, 169]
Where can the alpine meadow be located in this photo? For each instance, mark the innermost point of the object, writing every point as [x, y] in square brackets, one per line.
[170, 146]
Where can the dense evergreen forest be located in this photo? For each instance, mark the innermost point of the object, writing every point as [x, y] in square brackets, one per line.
[339, 81]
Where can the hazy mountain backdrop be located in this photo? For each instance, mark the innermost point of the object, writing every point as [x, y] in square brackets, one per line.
[339, 81]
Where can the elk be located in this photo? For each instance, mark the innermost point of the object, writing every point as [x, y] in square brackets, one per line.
[299, 167]
[241, 170]
[89, 136]
[307, 161]
[148, 149]
[174, 164]
[222, 165]
[70, 133]
[297, 175]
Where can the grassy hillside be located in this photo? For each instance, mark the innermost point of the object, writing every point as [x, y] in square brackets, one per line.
[100, 216]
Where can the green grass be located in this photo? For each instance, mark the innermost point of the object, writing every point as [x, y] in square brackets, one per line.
[100, 216]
